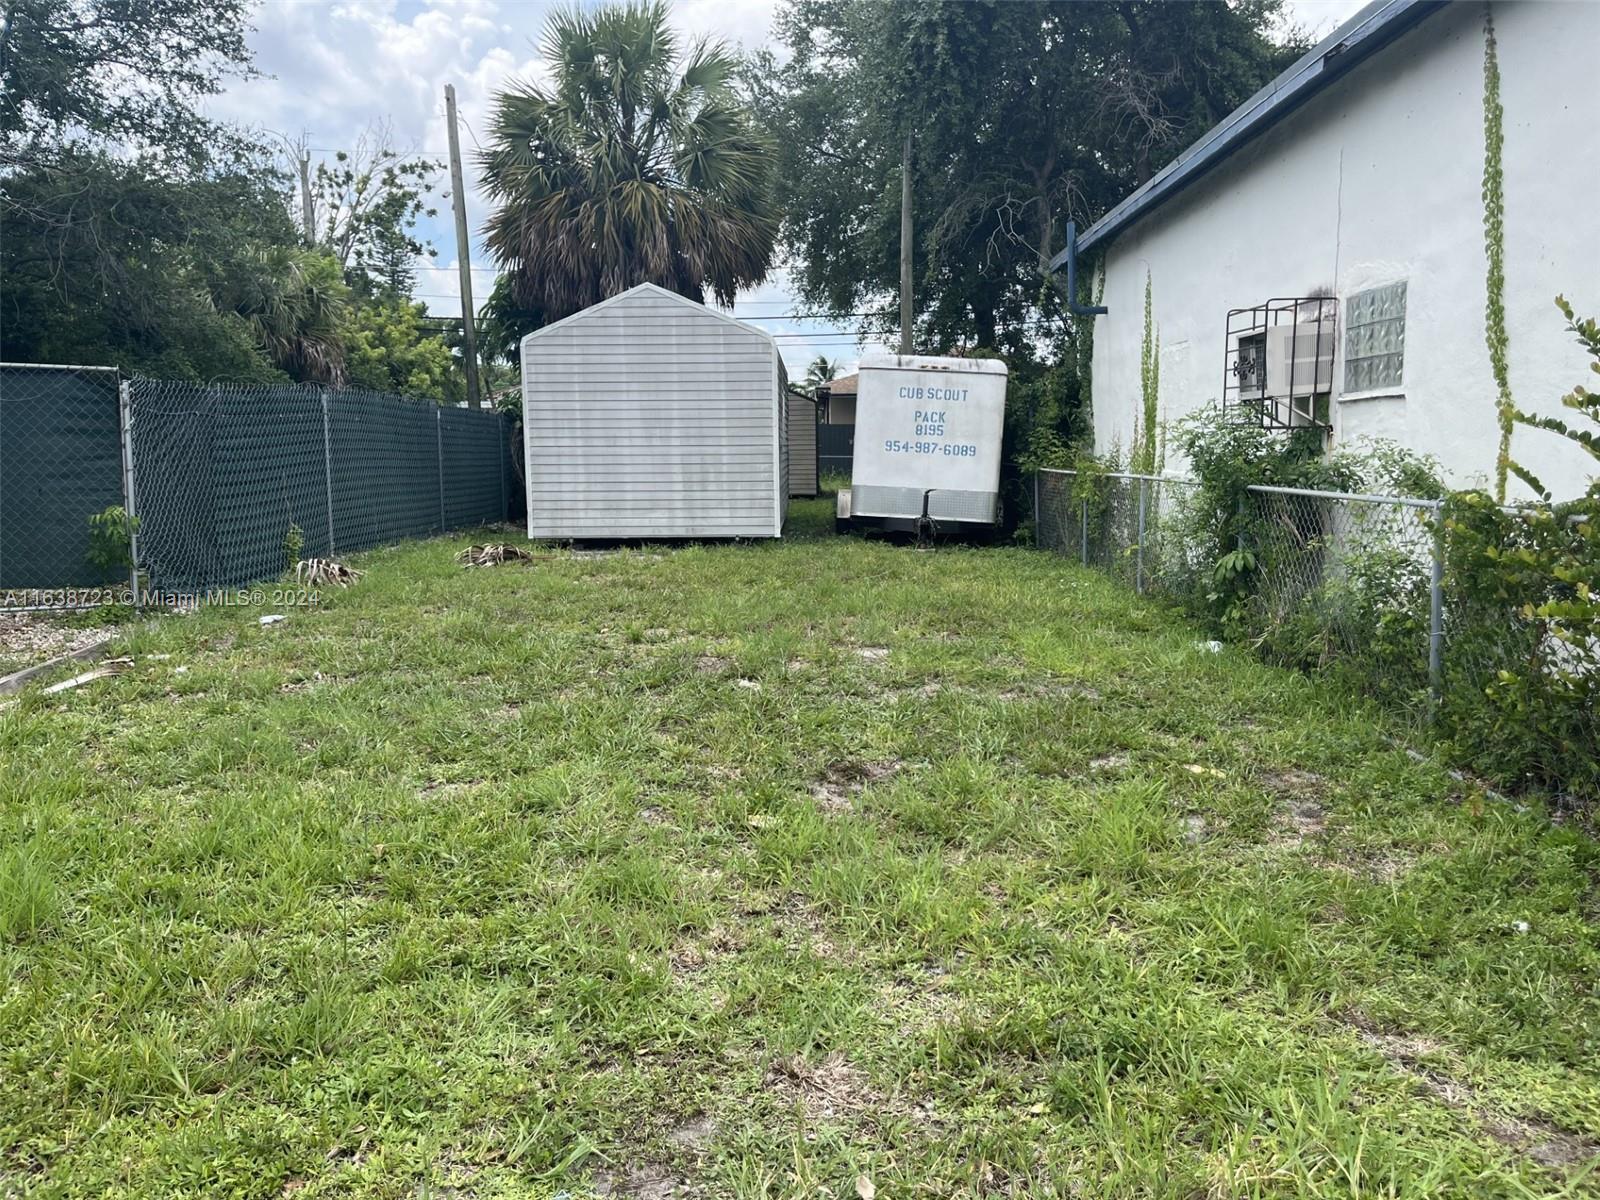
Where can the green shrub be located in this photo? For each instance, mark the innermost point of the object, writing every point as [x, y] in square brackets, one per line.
[1523, 658]
[294, 544]
[111, 539]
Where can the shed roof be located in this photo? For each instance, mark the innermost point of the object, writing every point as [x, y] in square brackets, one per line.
[651, 289]
[1371, 29]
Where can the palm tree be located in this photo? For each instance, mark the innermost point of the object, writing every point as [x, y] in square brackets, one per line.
[627, 169]
[294, 303]
[820, 370]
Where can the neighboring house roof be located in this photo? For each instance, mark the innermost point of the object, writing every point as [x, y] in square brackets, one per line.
[845, 385]
[1371, 29]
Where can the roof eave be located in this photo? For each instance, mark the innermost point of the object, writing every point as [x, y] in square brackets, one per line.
[1369, 31]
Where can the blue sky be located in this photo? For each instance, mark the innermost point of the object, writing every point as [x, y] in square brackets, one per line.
[333, 67]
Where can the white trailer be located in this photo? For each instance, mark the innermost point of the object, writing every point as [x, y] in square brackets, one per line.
[650, 416]
[927, 443]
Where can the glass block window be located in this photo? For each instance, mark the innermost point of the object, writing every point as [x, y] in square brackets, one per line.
[1375, 338]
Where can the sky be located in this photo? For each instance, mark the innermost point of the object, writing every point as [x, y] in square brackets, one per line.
[331, 68]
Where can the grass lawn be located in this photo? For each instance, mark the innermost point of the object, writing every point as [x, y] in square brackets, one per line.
[818, 868]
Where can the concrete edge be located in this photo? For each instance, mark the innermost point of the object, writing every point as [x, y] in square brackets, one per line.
[17, 680]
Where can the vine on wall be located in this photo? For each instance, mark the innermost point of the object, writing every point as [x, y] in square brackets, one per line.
[1146, 457]
[1494, 231]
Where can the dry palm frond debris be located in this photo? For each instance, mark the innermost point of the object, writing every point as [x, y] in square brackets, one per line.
[324, 572]
[492, 555]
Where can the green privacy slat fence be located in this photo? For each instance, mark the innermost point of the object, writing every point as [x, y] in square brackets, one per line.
[229, 479]
[385, 469]
[60, 463]
[466, 441]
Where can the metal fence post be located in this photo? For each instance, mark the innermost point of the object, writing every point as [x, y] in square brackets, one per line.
[327, 462]
[1138, 553]
[1084, 519]
[438, 448]
[1436, 611]
[130, 490]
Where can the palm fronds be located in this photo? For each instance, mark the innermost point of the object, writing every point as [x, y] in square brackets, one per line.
[492, 555]
[324, 572]
[627, 169]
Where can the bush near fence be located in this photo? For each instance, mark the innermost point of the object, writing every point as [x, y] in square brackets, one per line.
[229, 482]
[1389, 595]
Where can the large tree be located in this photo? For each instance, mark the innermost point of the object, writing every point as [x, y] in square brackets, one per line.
[1023, 115]
[635, 164]
[80, 72]
[365, 203]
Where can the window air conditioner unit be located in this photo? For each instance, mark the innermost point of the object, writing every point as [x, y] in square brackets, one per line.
[1299, 359]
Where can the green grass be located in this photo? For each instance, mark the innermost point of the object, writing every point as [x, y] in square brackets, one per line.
[751, 869]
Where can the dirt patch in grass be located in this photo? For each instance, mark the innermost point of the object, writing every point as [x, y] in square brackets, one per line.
[1375, 864]
[1110, 762]
[918, 1000]
[801, 927]
[712, 664]
[442, 788]
[872, 654]
[694, 1134]
[1300, 816]
[829, 1090]
[1293, 783]
[642, 1183]
[693, 955]
[315, 679]
[1542, 1142]
[836, 790]
[1045, 689]
[1296, 823]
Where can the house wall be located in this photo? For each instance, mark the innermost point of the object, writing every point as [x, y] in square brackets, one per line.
[651, 416]
[1377, 180]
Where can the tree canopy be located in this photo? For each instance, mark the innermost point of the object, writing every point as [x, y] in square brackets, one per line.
[636, 164]
[140, 233]
[1023, 115]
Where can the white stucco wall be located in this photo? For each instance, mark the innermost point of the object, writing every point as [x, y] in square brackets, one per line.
[1376, 180]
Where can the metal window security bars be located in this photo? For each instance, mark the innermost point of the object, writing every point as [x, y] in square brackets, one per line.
[225, 482]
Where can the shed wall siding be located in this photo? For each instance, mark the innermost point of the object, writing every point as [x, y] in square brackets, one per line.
[802, 447]
[650, 418]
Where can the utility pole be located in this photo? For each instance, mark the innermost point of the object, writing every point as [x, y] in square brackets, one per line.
[458, 198]
[905, 247]
[308, 219]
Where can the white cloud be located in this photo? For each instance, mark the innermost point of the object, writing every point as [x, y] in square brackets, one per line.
[332, 70]
[439, 282]
[1321, 17]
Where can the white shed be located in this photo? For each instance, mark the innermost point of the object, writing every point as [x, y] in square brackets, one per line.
[651, 416]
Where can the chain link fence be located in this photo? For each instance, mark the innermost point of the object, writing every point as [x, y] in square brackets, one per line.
[227, 484]
[1380, 591]
[1328, 581]
[1125, 525]
[60, 465]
